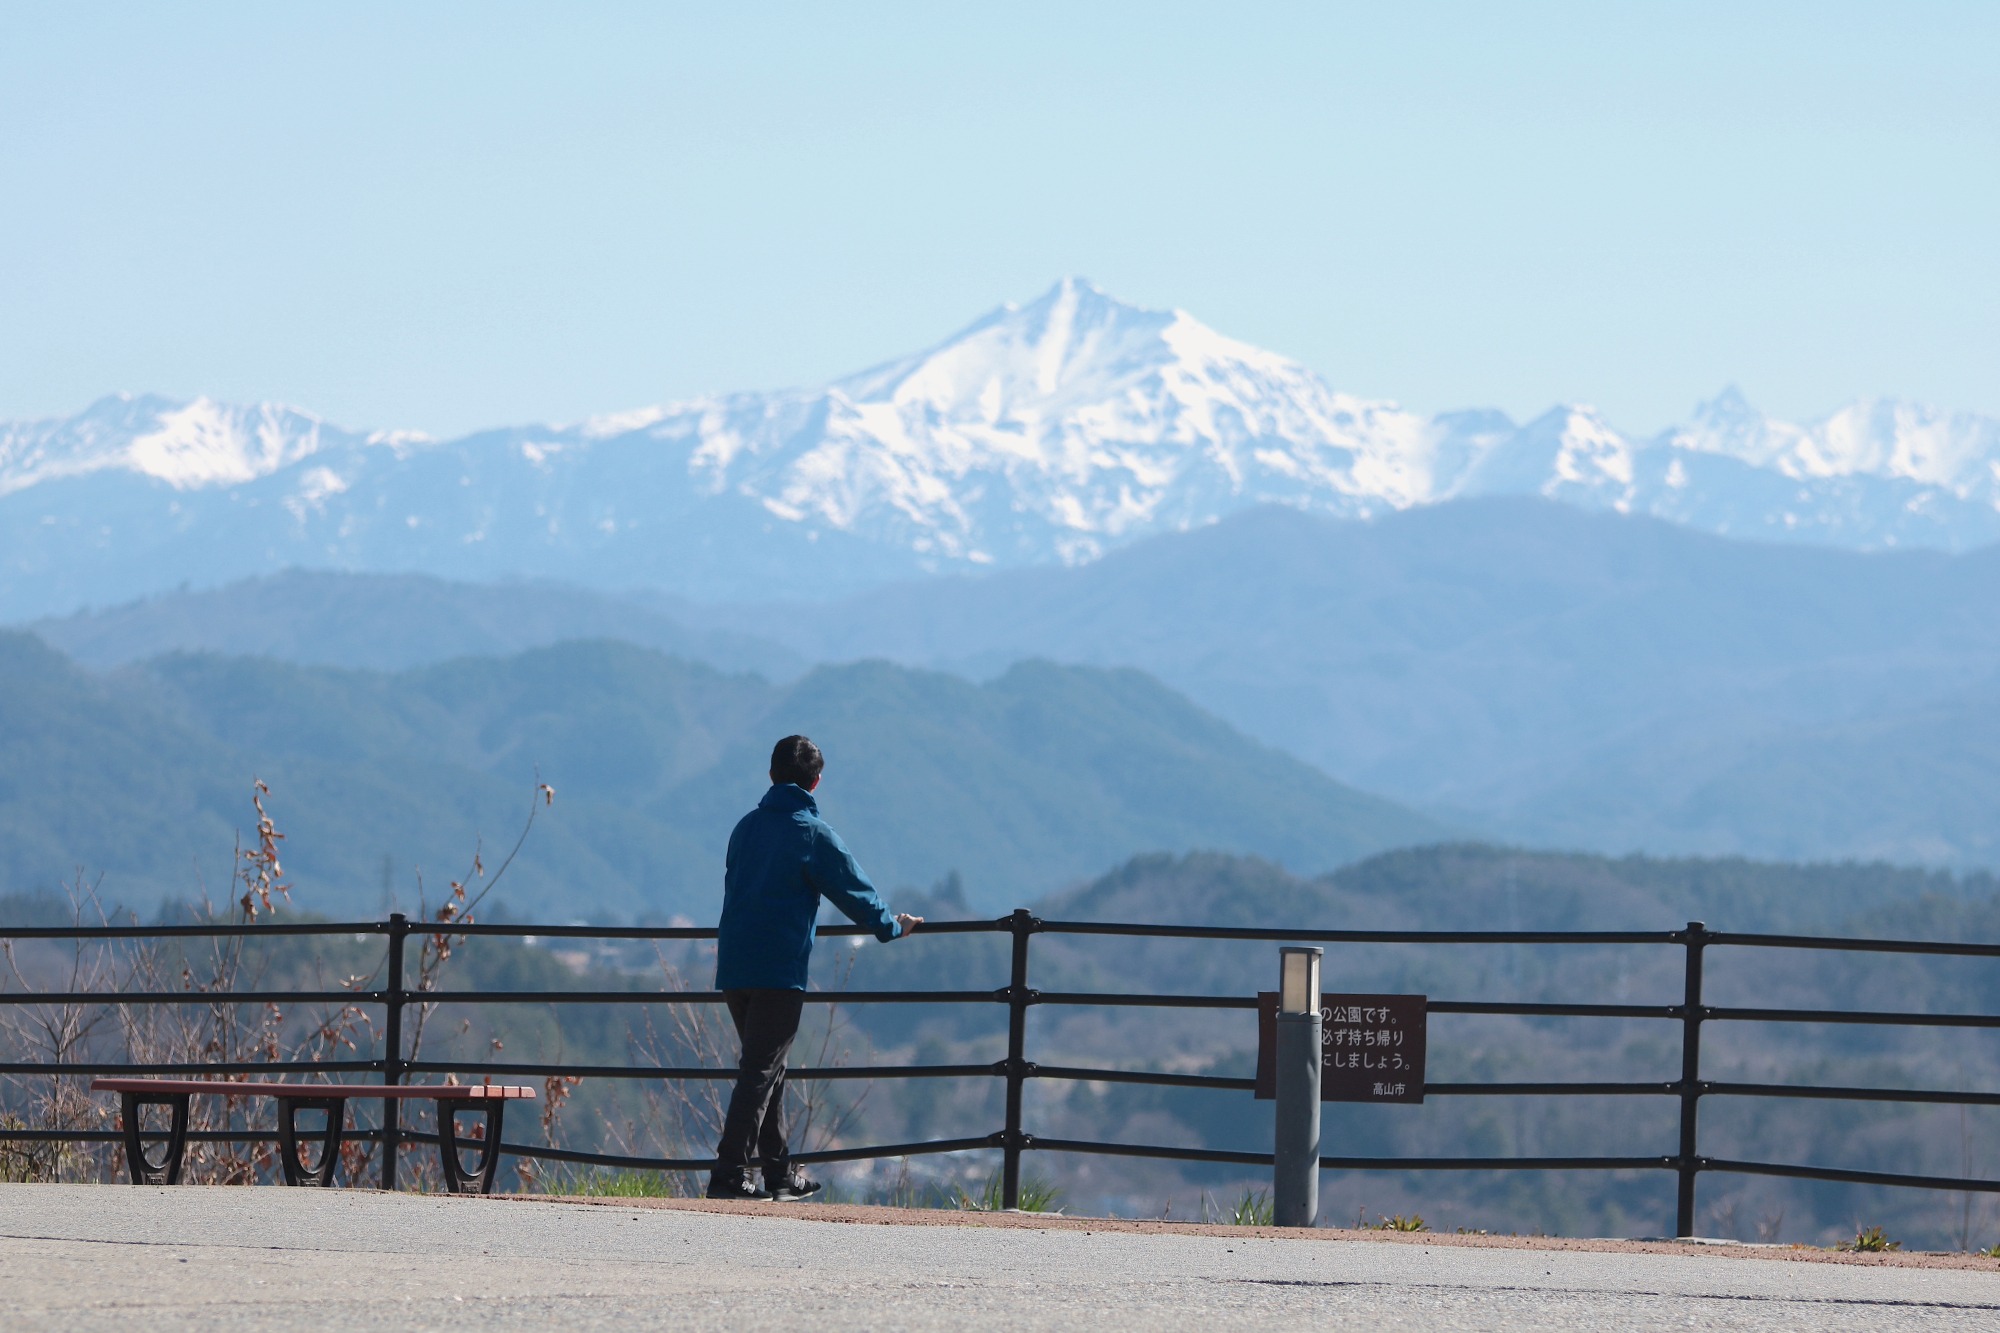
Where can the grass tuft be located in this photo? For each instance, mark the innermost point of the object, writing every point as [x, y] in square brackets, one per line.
[611, 1183]
[1037, 1196]
[1254, 1209]
[1400, 1223]
[1871, 1241]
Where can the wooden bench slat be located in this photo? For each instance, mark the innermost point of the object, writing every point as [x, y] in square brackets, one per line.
[374, 1091]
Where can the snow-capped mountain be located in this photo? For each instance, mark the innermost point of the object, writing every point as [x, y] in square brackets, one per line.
[185, 445]
[1050, 431]
[1055, 429]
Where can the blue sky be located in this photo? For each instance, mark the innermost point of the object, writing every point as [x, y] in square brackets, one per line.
[447, 216]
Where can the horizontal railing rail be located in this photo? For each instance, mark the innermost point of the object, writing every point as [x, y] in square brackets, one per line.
[393, 997]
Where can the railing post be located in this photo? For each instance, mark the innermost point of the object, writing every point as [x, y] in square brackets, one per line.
[1021, 924]
[1688, 1162]
[392, 1047]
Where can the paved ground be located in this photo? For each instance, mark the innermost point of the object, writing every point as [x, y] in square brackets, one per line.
[101, 1257]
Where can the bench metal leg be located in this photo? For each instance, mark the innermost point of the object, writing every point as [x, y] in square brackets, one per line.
[457, 1178]
[144, 1170]
[295, 1168]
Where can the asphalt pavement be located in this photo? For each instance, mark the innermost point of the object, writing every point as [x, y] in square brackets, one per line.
[101, 1257]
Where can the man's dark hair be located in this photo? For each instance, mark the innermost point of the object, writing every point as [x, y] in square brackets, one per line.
[796, 759]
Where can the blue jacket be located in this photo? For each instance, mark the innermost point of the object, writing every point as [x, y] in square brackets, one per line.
[782, 859]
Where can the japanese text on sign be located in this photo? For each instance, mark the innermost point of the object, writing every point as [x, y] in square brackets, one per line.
[1371, 1047]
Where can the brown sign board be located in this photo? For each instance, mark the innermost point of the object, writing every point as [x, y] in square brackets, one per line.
[1371, 1047]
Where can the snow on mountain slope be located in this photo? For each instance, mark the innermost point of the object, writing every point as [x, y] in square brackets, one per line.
[185, 445]
[1877, 473]
[1050, 431]
[1054, 429]
[1956, 452]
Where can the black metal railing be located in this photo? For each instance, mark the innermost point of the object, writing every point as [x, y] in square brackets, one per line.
[1012, 1140]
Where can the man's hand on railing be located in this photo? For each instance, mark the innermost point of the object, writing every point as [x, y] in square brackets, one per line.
[908, 922]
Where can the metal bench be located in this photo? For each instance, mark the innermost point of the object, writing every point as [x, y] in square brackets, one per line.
[490, 1100]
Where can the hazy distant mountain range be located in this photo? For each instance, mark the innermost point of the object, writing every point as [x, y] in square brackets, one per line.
[1552, 676]
[1024, 784]
[1046, 433]
[1519, 668]
[1547, 632]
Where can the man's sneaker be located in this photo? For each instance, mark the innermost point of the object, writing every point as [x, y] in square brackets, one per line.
[793, 1186]
[735, 1185]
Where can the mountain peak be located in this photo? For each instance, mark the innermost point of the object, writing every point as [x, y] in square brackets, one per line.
[1062, 336]
[1056, 425]
[1072, 291]
[1729, 402]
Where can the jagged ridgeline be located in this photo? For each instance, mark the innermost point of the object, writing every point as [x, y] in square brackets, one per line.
[1031, 781]
[1047, 432]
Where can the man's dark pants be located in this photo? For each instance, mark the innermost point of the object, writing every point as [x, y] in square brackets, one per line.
[766, 1022]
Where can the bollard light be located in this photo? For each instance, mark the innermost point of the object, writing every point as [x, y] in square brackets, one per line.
[1298, 981]
[1297, 1060]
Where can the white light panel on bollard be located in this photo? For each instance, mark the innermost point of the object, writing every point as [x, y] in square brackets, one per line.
[1298, 981]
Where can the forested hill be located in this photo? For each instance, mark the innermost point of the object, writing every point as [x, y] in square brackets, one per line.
[1541, 675]
[391, 622]
[1469, 886]
[1023, 784]
[1446, 886]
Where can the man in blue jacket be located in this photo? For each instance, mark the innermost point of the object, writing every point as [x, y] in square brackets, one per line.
[783, 858]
